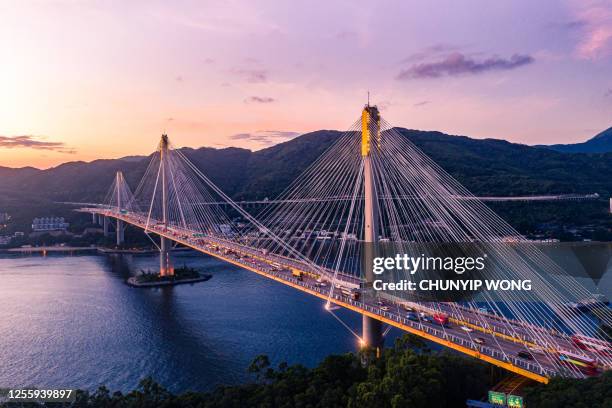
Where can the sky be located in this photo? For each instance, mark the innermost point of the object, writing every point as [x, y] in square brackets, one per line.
[82, 80]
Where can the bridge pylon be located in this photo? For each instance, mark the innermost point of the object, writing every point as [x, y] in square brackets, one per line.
[165, 265]
[372, 333]
[120, 228]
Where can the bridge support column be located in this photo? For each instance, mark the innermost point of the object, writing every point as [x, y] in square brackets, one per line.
[120, 233]
[105, 223]
[94, 218]
[165, 266]
[372, 333]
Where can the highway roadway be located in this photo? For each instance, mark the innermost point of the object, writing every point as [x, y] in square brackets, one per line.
[464, 327]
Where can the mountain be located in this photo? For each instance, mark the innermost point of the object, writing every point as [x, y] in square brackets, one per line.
[600, 143]
[487, 167]
[9, 174]
[484, 166]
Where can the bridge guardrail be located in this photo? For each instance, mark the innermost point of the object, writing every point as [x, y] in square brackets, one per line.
[442, 334]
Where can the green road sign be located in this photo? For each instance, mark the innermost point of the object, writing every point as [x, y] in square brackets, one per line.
[514, 401]
[497, 398]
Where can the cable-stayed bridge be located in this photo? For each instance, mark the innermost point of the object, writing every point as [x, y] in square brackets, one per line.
[372, 187]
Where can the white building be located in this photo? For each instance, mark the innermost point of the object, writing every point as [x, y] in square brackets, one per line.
[49, 224]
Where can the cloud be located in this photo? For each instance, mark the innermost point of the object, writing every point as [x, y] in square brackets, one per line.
[252, 75]
[259, 99]
[459, 64]
[33, 142]
[422, 103]
[569, 25]
[608, 93]
[265, 137]
[595, 25]
[573, 24]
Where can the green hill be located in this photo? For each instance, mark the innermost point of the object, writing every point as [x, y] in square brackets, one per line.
[486, 167]
[600, 143]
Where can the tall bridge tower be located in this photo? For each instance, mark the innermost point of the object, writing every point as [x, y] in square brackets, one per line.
[370, 143]
[120, 229]
[165, 267]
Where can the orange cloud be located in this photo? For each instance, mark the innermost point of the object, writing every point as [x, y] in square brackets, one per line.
[33, 142]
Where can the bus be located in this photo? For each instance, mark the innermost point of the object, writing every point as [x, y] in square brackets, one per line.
[586, 365]
[590, 344]
[297, 274]
[350, 293]
[441, 319]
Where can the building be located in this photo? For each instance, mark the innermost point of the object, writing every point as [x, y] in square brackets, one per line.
[44, 224]
[4, 217]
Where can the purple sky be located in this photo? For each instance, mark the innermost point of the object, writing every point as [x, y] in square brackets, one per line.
[83, 80]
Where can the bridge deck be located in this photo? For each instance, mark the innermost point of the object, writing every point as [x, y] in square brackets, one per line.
[511, 341]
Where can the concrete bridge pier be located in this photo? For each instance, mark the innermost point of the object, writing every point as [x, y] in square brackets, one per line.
[165, 266]
[372, 333]
[94, 218]
[105, 223]
[120, 232]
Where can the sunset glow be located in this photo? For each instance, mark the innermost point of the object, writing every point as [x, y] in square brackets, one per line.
[89, 80]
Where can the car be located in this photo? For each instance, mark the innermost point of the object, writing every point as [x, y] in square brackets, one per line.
[525, 355]
[408, 308]
[412, 316]
[385, 308]
[535, 350]
[425, 319]
[422, 314]
[466, 329]
[479, 340]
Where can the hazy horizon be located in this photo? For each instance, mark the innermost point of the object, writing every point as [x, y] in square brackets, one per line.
[153, 145]
[85, 80]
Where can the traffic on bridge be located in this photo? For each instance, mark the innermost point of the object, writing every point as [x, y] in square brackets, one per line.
[393, 193]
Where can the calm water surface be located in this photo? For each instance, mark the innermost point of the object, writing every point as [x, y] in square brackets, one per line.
[70, 321]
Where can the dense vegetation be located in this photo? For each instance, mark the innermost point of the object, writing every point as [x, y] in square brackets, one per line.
[406, 375]
[589, 393]
[180, 273]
